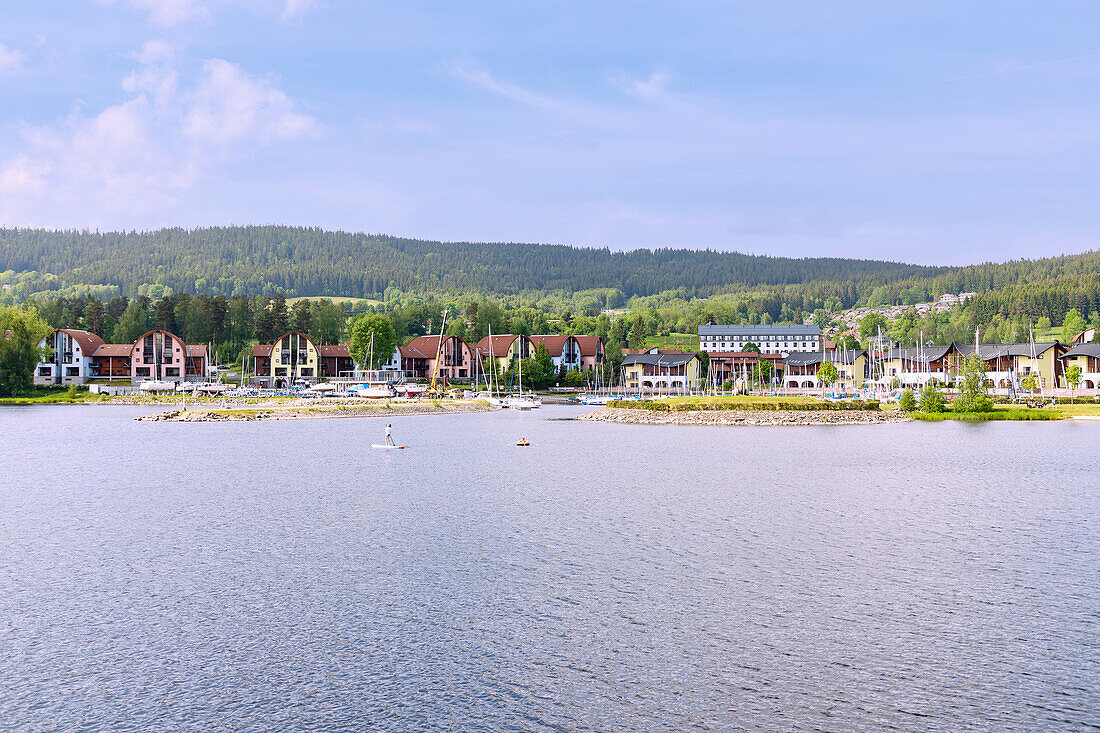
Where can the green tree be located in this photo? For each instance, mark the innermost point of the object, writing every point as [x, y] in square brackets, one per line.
[134, 322]
[972, 396]
[1030, 383]
[301, 317]
[385, 340]
[750, 347]
[1073, 376]
[1072, 324]
[827, 374]
[762, 372]
[870, 324]
[907, 402]
[931, 399]
[21, 331]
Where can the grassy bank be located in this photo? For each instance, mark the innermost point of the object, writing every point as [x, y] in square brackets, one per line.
[742, 402]
[45, 396]
[1008, 413]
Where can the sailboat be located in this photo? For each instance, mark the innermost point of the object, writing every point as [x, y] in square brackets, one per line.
[520, 401]
[489, 394]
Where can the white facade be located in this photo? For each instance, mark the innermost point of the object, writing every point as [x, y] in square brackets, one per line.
[68, 361]
[779, 339]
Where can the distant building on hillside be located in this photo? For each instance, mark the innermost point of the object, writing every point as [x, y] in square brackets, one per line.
[779, 339]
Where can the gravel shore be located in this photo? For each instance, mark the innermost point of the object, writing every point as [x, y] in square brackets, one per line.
[745, 417]
[315, 412]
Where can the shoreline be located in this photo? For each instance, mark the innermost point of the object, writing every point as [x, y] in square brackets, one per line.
[627, 416]
[253, 413]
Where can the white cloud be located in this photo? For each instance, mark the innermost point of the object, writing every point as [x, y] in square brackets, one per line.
[139, 158]
[229, 106]
[11, 61]
[651, 89]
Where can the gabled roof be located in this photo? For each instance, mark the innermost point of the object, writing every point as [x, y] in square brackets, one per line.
[809, 358]
[336, 350]
[196, 350]
[413, 352]
[87, 340]
[261, 349]
[1089, 349]
[501, 344]
[774, 330]
[918, 354]
[554, 342]
[106, 350]
[659, 360]
[429, 345]
[589, 345]
[996, 351]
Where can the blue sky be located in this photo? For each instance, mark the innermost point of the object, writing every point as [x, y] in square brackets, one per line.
[927, 132]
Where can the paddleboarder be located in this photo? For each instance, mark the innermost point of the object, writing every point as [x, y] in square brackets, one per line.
[389, 435]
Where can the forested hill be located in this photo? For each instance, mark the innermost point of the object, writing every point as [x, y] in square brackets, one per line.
[315, 262]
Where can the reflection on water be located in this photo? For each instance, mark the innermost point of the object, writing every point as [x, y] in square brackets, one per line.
[283, 576]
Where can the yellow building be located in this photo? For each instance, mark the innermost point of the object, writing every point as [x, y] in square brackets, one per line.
[800, 369]
[661, 373]
[504, 349]
[293, 356]
[1085, 356]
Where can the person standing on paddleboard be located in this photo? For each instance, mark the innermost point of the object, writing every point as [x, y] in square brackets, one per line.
[389, 436]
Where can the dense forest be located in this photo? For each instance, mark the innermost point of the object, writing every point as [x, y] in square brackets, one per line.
[228, 287]
[313, 262]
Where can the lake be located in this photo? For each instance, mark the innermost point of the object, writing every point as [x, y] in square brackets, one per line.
[283, 576]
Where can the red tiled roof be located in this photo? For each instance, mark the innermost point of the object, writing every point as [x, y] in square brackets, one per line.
[411, 352]
[196, 350]
[429, 345]
[88, 341]
[501, 344]
[554, 342]
[337, 350]
[106, 350]
[743, 355]
[261, 350]
[589, 344]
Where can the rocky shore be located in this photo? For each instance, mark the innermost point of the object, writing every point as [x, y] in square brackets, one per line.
[745, 417]
[316, 412]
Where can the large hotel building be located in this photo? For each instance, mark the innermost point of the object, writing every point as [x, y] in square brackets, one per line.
[784, 339]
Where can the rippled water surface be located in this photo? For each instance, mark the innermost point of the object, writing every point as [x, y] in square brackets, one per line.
[283, 576]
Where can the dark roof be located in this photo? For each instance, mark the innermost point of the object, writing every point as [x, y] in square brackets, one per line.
[659, 360]
[743, 355]
[916, 353]
[774, 330]
[995, 351]
[809, 358]
[1089, 349]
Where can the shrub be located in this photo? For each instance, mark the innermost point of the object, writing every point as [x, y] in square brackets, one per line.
[931, 400]
[907, 402]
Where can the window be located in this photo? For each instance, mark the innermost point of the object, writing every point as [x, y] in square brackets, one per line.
[72, 371]
[172, 372]
[44, 371]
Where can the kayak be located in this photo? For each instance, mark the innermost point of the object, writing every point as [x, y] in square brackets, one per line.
[387, 447]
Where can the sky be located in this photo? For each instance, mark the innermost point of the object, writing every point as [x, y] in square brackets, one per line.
[934, 132]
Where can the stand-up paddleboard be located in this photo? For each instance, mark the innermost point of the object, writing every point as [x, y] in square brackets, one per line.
[388, 447]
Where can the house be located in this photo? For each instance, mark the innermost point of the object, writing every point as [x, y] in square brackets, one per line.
[295, 356]
[591, 350]
[913, 366]
[161, 356]
[427, 357]
[504, 349]
[738, 367]
[564, 350]
[777, 339]
[1086, 356]
[667, 373]
[800, 369]
[1086, 336]
[1007, 364]
[69, 359]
